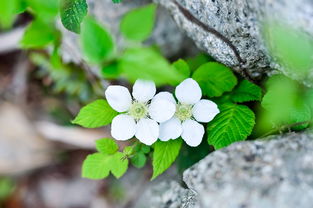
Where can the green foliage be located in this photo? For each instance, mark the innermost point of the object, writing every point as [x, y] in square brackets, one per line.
[214, 79]
[98, 165]
[110, 71]
[107, 146]
[198, 60]
[233, 123]
[117, 1]
[164, 155]
[138, 23]
[96, 43]
[290, 46]
[182, 67]
[8, 12]
[139, 160]
[96, 114]
[38, 34]
[146, 63]
[245, 92]
[46, 10]
[284, 103]
[72, 13]
[7, 186]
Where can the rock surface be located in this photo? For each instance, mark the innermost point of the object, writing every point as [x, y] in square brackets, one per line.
[166, 34]
[235, 29]
[252, 174]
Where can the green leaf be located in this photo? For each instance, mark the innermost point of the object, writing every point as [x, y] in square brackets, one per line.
[97, 44]
[7, 12]
[215, 79]
[138, 23]
[146, 63]
[38, 35]
[245, 92]
[72, 14]
[164, 155]
[290, 46]
[198, 60]
[96, 114]
[139, 160]
[107, 146]
[116, 1]
[110, 71]
[119, 164]
[46, 10]
[284, 103]
[233, 123]
[182, 67]
[96, 166]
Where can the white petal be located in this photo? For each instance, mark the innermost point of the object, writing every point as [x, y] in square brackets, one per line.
[143, 90]
[147, 131]
[118, 97]
[161, 110]
[192, 132]
[205, 111]
[166, 96]
[170, 129]
[123, 127]
[188, 92]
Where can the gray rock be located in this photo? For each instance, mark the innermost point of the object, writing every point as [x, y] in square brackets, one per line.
[272, 173]
[234, 29]
[256, 174]
[166, 34]
[167, 194]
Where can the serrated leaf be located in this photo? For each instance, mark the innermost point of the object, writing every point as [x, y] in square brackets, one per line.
[233, 123]
[72, 13]
[96, 114]
[214, 79]
[139, 160]
[164, 155]
[119, 164]
[96, 166]
[106, 145]
[97, 44]
[246, 91]
[138, 23]
[182, 67]
[146, 63]
[38, 35]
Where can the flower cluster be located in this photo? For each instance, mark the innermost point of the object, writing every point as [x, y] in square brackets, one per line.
[149, 116]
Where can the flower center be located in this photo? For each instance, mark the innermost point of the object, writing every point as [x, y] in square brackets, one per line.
[183, 111]
[138, 110]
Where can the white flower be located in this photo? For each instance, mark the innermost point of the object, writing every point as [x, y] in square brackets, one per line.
[139, 117]
[190, 110]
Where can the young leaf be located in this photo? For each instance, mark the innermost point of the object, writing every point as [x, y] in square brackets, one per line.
[164, 155]
[118, 164]
[72, 13]
[97, 44]
[46, 10]
[146, 63]
[138, 160]
[7, 11]
[38, 35]
[96, 114]
[96, 166]
[234, 123]
[214, 79]
[182, 67]
[107, 146]
[245, 92]
[138, 23]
